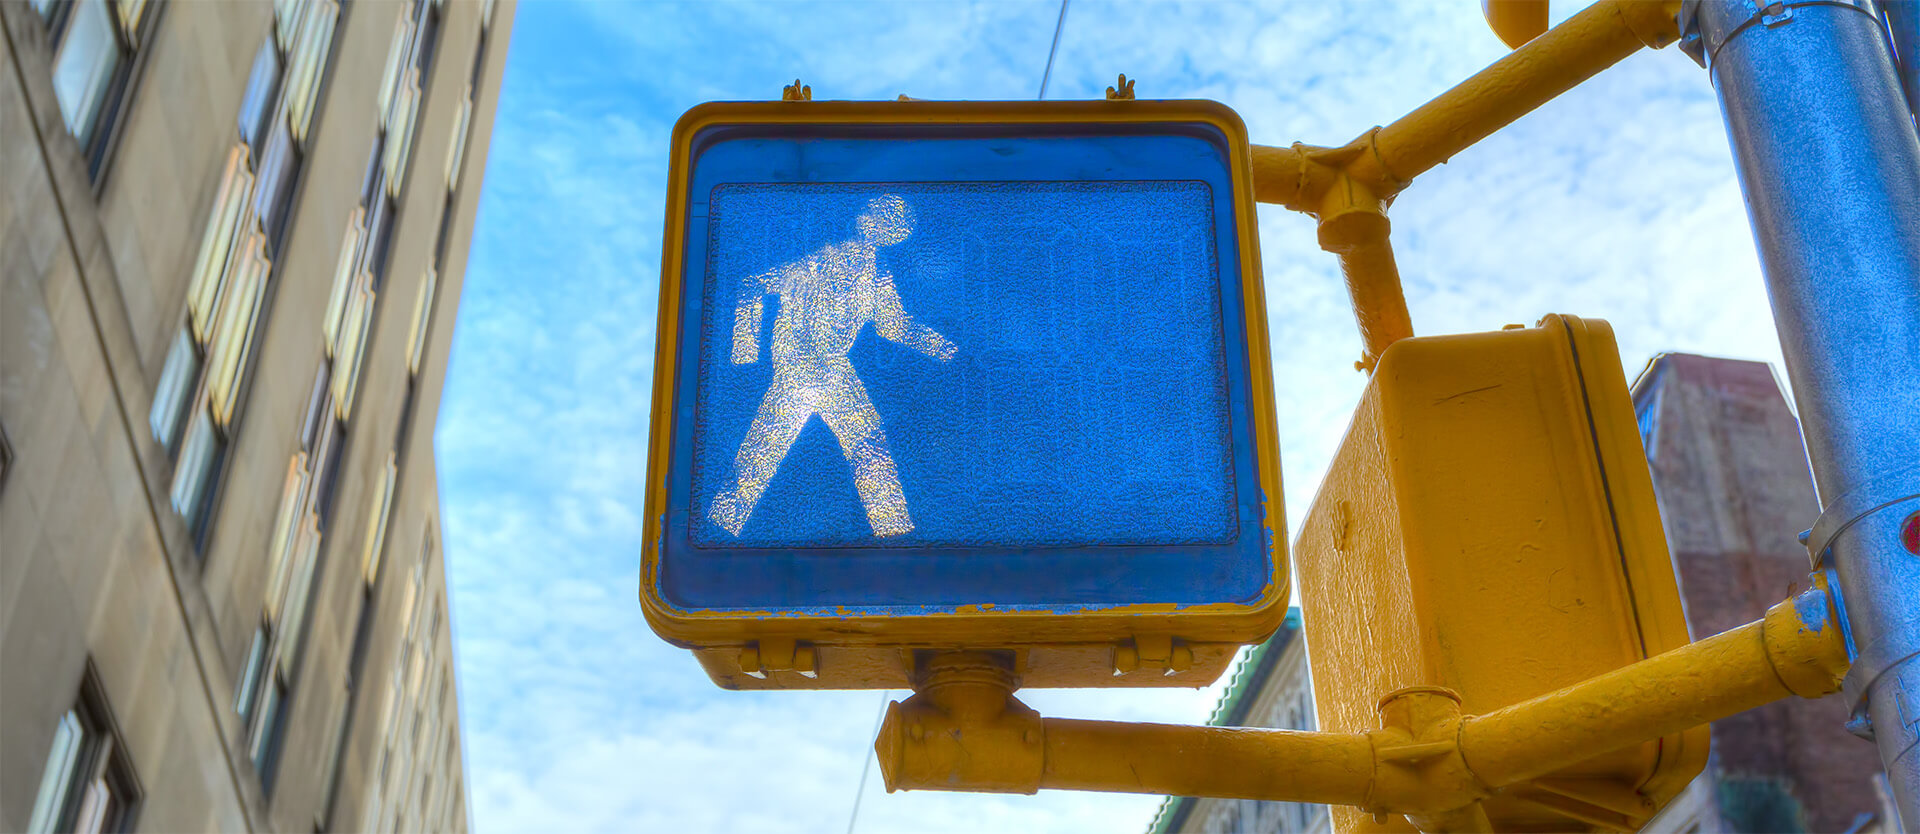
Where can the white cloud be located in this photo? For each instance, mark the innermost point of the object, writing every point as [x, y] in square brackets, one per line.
[1615, 201]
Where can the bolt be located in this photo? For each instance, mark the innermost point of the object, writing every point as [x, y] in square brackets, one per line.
[1910, 533]
[1860, 724]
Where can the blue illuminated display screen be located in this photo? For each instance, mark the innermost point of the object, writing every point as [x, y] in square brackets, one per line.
[918, 372]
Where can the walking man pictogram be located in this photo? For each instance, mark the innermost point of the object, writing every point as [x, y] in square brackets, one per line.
[825, 300]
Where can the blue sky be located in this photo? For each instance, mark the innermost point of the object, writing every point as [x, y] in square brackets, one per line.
[1616, 201]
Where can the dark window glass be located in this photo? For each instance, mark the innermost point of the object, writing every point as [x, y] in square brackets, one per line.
[171, 395]
[371, 186]
[479, 63]
[446, 231]
[379, 235]
[327, 478]
[250, 678]
[263, 86]
[273, 728]
[273, 185]
[424, 42]
[6, 458]
[86, 62]
[317, 408]
[93, 48]
[406, 420]
[329, 793]
[87, 784]
[195, 472]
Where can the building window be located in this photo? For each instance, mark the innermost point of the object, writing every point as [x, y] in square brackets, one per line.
[193, 472]
[354, 328]
[87, 784]
[399, 143]
[457, 143]
[263, 86]
[293, 557]
[88, 57]
[326, 479]
[251, 678]
[170, 395]
[1646, 405]
[422, 316]
[311, 42]
[336, 750]
[268, 732]
[382, 510]
[279, 165]
[93, 44]
[378, 237]
[231, 341]
[196, 405]
[261, 698]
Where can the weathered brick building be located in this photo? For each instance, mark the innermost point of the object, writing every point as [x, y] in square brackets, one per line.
[1734, 487]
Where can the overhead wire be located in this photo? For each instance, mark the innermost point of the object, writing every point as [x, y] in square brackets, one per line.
[866, 764]
[1053, 50]
[886, 696]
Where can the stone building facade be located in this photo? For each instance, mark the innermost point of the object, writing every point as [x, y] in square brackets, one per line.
[232, 241]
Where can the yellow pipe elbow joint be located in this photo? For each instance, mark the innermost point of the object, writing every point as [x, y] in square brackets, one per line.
[963, 730]
[1805, 643]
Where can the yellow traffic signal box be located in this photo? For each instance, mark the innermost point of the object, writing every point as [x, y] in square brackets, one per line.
[1489, 526]
[943, 376]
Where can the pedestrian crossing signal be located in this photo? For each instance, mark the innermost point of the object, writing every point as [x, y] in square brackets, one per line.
[975, 375]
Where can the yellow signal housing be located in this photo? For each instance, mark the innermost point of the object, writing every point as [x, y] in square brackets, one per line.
[1489, 526]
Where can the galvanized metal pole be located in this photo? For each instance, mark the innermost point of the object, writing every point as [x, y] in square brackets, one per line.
[1830, 164]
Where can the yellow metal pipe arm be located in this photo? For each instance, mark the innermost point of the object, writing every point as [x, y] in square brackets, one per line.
[1386, 159]
[1797, 649]
[1293, 177]
[964, 731]
[1379, 304]
[1354, 226]
[1579, 48]
[1338, 184]
[1282, 765]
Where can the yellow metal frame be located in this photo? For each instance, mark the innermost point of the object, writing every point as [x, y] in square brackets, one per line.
[1136, 645]
[1349, 188]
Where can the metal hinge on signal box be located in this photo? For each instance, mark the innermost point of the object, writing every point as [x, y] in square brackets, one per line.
[779, 654]
[1152, 652]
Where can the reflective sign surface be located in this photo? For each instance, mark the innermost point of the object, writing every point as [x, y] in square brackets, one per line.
[1006, 364]
[917, 371]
